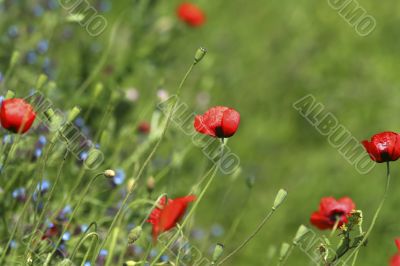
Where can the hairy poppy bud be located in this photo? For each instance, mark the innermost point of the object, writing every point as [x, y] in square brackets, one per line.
[200, 53]
[109, 173]
[284, 251]
[280, 198]
[301, 232]
[150, 184]
[41, 81]
[73, 114]
[218, 250]
[134, 235]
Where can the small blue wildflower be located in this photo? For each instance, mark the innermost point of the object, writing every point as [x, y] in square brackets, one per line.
[31, 57]
[87, 263]
[13, 244]
[105, 6]
[13, 31]
[198, 234]
[19, 194]
[43, 186]
[38, 153]
[164, 258]
[137, 250]
[84, 155]
[153, 253]
[103, 253]
[217, 230]
[119, 177]
[84, 227]
[1, 77]
[52, 4]
[43, 46]
[63, 214]
[42, 140]
[66, 236]
[8, 139]
[38, 10]
[79, 121]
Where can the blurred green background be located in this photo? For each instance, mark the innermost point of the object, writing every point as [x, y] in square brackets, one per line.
[262, 57]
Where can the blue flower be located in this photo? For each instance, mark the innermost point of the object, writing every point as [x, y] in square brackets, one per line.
[66, 236]
[42, 140]
[119, 177]
[164, 258]
[43, 46]
[19, 194]
[31, 57]
[217, 230]
[13, 31]
[38, 10]
[103, 253]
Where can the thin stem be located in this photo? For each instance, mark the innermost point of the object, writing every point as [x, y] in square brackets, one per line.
[191, 212]
[248, 239]
[376, 215]
[84, 194]
[148, 159]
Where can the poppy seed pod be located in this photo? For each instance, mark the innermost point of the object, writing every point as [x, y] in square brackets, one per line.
[150, 184]
[200, 53]
[134, 235]
[218, 250]
[279, 199]
[109, 173]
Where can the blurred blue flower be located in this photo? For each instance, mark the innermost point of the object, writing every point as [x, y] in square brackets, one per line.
[1, 77]
[52, 4]
[217, 230]
[105, 6]
[42, 140]
[103, 253]
[64, 213]
[87, 263]
[66, 236]
[13, 244]
[79, 121]
[164, 258]
[119, 177]
[137, 250]
[38, 10]
[43, 46]
[83, 156]
[153, 253]
[19, 194]
[38, 153]
[13, 31]
[198, 234]
[43, 186]
[8, 139]
[84, 227]
[31, 57]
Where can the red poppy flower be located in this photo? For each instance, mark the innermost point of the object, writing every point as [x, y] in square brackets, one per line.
[191, 14]
[144, 128]
[383, 147]
[219, 121]
[332, 210]
[395, 260]
[17, 115]
[167, 215]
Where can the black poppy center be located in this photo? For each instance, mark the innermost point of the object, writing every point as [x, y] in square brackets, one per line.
[385, 156]
[219, 132]
[336, 216]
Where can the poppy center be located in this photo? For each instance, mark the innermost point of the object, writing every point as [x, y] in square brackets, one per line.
[219, 132]
[336, 216]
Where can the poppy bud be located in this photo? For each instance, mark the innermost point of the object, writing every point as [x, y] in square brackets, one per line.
[280, 198]
[41, 81]
[284, 251]
[200, 53]
[14, 58]
[73, 114]
[131, 263]
[17, 115]
[218, 250]
[10, 94]
[134, 235]
[150, 184]
[109, 173]
[301, 232]
[131, 184]
[98, 89]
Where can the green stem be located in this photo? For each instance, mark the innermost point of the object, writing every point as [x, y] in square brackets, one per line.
[248, 239]
[148, 159]
[376, 215]
[191, 212]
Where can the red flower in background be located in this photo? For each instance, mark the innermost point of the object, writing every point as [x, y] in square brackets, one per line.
[331, 210]
[167, 215]
[395, 260]
[144, 128]
[17, 115]
[191, 14]
[383, 147]
[219, 121]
